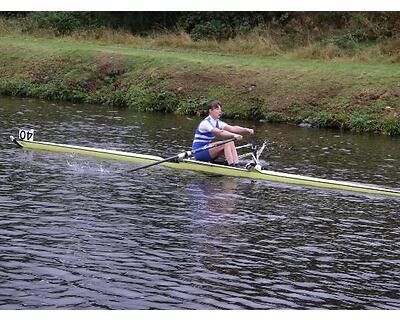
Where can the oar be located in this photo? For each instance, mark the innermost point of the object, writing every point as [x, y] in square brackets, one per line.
[184, 155]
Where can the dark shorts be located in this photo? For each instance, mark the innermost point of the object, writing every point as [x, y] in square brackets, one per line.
[202, 155]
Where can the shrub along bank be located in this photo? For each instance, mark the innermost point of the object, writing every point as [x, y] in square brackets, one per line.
[363, 98]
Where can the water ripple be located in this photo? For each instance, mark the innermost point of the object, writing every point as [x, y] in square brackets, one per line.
[82, 233]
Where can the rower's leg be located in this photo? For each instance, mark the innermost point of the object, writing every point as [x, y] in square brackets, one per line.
[230, 153]
[229, 150]
[235, 158]
[215, 152]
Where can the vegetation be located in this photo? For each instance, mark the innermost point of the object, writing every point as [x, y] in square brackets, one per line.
[351, 36]
[336, 70]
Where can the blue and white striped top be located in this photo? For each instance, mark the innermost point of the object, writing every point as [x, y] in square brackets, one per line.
[203, 135]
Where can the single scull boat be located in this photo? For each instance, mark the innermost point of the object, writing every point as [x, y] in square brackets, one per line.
[253, 171]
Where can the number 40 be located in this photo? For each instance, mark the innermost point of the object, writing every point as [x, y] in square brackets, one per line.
[25, 135]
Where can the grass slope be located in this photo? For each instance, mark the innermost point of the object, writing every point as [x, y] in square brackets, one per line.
[360, 97]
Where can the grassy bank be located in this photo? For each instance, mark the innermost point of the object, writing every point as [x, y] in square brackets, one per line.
[359, 97]
[355, 37]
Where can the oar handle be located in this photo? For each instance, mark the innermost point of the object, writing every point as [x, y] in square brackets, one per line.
[184, 155]
[214, 145]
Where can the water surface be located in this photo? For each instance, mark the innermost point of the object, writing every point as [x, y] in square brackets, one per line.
[84, 233]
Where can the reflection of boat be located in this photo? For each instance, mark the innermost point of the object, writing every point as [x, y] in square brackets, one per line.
[255, 171]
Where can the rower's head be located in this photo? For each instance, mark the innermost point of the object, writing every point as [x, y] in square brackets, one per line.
[215, 109]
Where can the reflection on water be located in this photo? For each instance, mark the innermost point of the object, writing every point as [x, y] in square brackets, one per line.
[213, 195]
[83, 233]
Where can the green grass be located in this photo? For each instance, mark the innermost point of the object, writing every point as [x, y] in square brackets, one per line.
[192, 58]
[276, 89]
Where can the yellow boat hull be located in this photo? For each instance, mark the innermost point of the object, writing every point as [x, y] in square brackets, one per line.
[211, 168]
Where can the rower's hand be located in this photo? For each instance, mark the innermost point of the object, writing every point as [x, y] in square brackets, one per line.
[250, 131]
[238, 137]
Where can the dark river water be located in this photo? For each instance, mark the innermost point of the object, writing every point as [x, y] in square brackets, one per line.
[85, 233]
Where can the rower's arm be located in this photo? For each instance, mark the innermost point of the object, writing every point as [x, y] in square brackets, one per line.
[226, 134]
[238, 129]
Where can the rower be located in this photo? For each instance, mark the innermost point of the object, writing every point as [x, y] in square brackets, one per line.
[210, 128]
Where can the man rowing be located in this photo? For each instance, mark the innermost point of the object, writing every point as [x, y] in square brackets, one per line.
[210, 128]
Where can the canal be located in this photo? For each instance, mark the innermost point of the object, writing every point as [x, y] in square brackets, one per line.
[85, 233]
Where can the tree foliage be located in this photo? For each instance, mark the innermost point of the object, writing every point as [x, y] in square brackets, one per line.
[345, 26]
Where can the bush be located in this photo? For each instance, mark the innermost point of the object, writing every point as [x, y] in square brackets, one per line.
[225, 25]
[323, 119]
[347, 40]
[190, 106]
[165, 101]
[255, 109]
[275, 117]
[342, 120]
[361, 122]
[193, 106]
[391, 48]
[115, 98]
[14, 87]
[300, 114]
[211, 30]
[63, 23]
[390, 125]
